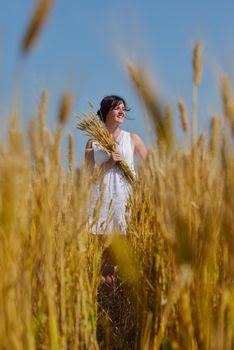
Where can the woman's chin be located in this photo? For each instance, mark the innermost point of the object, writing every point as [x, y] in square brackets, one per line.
[120, 121]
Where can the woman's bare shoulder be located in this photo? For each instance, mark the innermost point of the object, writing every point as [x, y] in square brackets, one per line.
[135, 137]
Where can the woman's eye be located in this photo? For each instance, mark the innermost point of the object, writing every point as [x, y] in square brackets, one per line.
[123, 109]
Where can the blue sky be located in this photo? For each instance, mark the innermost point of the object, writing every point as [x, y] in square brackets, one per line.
[81, 46]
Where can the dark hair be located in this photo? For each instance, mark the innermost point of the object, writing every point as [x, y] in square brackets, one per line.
[108, 103]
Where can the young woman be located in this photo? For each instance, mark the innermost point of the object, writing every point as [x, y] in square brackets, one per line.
[115, 187]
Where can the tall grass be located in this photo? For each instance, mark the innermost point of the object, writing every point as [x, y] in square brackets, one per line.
[175, 267]
[174, 279]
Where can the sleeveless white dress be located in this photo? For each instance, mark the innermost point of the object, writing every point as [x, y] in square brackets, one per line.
[116, 189]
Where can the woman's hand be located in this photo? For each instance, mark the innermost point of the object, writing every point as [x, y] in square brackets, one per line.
[116, 157]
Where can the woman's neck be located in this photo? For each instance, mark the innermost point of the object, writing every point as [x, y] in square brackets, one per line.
[113, 130]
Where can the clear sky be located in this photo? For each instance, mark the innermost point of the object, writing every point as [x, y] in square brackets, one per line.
[81, 46]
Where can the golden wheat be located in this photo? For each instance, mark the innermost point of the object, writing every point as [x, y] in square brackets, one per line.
[65, 107]
[173, 270]
[183, 116]
[38, 19]
[99, 133]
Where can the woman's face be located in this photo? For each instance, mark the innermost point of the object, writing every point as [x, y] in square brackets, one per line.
[117, 114]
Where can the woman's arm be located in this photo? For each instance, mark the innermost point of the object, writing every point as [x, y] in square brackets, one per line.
[89, 158]
[139, 146]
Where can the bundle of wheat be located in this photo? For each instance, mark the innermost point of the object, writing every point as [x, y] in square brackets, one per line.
[97, 130]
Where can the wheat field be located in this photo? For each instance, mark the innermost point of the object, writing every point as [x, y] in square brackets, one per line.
[175, 267]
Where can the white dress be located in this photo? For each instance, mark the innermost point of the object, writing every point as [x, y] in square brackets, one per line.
[116, 190]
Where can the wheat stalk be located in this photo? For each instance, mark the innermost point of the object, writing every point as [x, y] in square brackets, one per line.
[65, 107]
[38, 19]
[214, 135]
[145, 90]
[183, 115]
[70, 151]
[228, 104]
[197, 71]
[197, 56]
